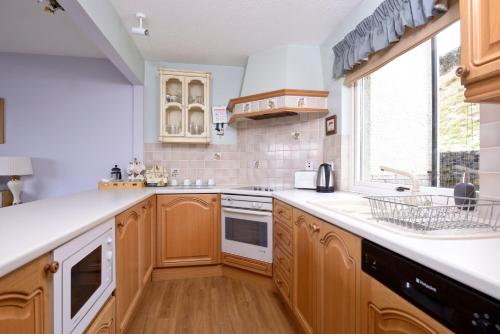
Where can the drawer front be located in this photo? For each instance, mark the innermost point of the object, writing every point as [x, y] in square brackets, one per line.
[283, 236]
[241, 262]
[283, 212]
[282, 285]
[283, 261]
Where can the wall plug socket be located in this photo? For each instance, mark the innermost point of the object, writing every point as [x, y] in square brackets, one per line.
[309, 165]
[174, 172]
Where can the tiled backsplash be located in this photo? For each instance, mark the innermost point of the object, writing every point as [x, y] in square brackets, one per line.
[270, 142]
[489, 175]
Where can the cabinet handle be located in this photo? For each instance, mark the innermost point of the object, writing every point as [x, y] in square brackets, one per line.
[280, 259]
[462, 71]
[280, 234]
[280, 282]
[299, 220]
[314, 228]
[51, 267]
[120, 224]
[280, 212]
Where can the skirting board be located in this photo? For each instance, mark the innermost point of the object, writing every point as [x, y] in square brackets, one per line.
[164, 274]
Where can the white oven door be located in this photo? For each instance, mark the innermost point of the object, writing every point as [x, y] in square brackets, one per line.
[85, 280]
[247, 233]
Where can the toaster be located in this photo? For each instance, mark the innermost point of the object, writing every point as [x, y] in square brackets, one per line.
[305, 179]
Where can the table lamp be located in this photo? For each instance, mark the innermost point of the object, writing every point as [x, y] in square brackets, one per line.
[15, 167]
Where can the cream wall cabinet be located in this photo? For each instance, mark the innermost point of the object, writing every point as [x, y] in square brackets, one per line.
[184, 107]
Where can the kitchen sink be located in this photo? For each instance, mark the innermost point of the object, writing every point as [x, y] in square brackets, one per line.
[359, 208]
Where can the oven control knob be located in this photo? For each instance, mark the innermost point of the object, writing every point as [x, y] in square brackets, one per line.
[109, 255]
[259, 205]
[109, 240]
[254, 204]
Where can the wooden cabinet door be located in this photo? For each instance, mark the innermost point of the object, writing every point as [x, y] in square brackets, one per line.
[305, 244]
[128, 263]
[384, 312]
[339, 267]
[148, 224]
[104, 322]
[480, 38]
[26, 299]
[480, 50]
[188, 230]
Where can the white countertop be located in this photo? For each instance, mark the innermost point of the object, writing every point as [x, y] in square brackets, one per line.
[33, 229]
[473, 262]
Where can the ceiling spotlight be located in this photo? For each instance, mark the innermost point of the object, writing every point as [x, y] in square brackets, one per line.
[140, 30]
[52, 6]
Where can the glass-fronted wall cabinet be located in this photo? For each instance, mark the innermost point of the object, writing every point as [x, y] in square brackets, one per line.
[184, 107]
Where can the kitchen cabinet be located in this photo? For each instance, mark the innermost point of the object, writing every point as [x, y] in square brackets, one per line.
[247, 264]
[305, 250]
[326, 271]
[128, 264]
[480, 50]
[339, 270]
[283, 212]
[104, 322]
[26, 298]
[148, 214]
[283, 250]
[188, 230]
[383, 311]
[135, 233]
[184, 107]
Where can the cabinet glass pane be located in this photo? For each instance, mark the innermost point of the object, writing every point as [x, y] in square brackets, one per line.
[196, 121]
[196, 92]
[173, 120]
[173, 90]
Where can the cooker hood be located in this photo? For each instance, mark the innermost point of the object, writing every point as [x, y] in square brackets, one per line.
[284, 81]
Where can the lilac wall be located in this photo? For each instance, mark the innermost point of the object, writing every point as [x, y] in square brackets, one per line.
[74, 116]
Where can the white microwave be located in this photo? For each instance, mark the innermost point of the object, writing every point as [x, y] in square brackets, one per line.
[85, 279]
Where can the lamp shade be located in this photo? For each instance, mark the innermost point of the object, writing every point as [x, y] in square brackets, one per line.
[10, 166]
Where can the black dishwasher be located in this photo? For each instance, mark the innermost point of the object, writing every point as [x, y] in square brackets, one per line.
[456, 306]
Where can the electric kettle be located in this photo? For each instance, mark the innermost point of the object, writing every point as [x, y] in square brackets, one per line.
[324, 179]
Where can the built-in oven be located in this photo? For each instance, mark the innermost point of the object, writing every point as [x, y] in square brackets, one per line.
[247, 226]
[85, 280]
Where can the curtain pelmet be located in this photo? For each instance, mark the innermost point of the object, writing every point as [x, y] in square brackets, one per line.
[381, 29]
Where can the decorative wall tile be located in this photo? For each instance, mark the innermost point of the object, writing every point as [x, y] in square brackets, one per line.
[269, 142]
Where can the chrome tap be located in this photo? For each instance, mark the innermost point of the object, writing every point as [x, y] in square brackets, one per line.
[415, 185]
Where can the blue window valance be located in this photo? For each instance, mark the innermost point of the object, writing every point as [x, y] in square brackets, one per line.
[384, 27]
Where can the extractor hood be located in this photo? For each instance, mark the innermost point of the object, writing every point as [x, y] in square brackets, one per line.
[284, 81]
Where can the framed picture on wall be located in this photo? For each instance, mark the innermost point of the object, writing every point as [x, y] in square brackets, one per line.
[331, 125]
[2, 123]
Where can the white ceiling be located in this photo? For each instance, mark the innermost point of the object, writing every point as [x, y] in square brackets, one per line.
[226, 32]
[26, 28]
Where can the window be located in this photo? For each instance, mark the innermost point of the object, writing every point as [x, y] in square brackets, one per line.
[411, 115]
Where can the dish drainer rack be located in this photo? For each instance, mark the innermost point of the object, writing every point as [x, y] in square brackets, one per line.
[424, 213]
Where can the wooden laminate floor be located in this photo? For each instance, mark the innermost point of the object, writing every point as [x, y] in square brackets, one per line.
[210, 305]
